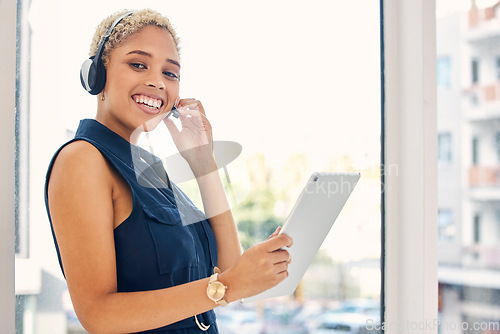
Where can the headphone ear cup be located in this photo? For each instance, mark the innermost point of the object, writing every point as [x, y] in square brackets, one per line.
[93, 72]
[85, 75]
[93, 76]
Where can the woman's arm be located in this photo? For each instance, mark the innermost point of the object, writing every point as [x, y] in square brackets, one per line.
[219, 213]
[81, 205]
[195, 144]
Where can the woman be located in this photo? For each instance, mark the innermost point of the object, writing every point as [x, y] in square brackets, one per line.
[131, 262]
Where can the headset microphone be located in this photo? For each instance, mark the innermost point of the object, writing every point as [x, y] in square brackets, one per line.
[93, 72]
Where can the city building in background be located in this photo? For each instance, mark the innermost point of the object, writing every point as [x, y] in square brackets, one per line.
[468, 78]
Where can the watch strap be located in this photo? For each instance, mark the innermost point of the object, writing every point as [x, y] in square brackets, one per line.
[215, 278]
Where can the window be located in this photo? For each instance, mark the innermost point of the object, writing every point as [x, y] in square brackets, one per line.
[476, 228]
[475, 71]
[444, 72]
[410, 17]
[497, 67]
[285, 134]
[475, 150]
[444, 147]
[446, 225]
[497, 145]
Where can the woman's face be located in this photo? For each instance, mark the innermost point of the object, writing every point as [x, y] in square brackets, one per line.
[142, 82]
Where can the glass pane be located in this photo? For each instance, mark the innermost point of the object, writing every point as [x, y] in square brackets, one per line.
[296, 84]
[468, 37]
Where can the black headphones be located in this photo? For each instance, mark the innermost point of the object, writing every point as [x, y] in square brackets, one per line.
[93, 72]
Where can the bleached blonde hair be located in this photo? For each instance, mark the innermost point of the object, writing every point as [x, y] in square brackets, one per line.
[127, 27]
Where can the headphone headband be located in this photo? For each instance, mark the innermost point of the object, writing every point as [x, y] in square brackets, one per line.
[93, 72]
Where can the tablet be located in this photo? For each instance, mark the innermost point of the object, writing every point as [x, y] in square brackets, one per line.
[309, 222]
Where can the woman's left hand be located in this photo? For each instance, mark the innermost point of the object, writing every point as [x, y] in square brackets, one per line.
[194, 141]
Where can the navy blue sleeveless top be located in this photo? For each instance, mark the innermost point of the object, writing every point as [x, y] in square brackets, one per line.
[166, 240]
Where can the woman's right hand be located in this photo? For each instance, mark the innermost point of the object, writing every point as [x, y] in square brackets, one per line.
[258, 269]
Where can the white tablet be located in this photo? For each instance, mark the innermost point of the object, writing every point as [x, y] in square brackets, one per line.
[309, 222]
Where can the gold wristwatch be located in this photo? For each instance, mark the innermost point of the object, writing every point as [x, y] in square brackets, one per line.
[216, 290]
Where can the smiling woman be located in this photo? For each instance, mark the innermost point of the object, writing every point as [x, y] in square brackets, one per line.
[130, 262]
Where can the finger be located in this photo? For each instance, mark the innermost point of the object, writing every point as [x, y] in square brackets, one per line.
[275, 233]
[196, 114]
[186, 101]
[280, 256]
[189, 112]
[281, 276]
[281, 267]
[277, 242]
[172, 128]
[176, 103]
[191, 103]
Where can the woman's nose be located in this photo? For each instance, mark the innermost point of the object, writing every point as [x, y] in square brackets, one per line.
[155, 81]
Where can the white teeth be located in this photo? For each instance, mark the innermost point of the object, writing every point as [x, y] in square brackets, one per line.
[150, 102]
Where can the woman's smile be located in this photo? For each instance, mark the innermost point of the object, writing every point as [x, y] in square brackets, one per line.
[149, 104]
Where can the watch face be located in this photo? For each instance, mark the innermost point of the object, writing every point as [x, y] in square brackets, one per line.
[216, 291]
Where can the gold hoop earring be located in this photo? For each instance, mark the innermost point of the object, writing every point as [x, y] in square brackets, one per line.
[103, 97]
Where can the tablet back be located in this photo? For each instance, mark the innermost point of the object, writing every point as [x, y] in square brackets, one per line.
[309, 222]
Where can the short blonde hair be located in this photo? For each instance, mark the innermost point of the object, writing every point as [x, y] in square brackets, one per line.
[128, 26]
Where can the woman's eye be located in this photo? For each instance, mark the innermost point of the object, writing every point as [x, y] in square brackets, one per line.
[170, 75]
[138, 66]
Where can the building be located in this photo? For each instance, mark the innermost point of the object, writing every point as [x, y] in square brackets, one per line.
[468, 55]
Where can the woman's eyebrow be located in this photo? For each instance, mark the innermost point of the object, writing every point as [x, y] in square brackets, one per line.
[147, 54]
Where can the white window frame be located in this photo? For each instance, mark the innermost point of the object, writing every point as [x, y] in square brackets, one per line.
[410, 251]
[410, 143]
[8, 14]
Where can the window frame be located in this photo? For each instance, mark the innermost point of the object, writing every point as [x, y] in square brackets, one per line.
[409, 141]
[8, 13]
[409, 255]
[22, 120]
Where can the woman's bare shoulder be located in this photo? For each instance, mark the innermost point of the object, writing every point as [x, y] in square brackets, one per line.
[78, 148]
[80, 164]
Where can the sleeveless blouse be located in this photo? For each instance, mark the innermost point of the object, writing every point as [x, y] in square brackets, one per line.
[166, 241]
